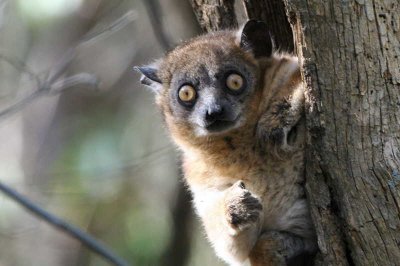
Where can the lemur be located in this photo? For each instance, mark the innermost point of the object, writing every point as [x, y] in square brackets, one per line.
[234, 107]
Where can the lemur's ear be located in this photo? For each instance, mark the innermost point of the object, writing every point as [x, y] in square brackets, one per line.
[150, 77]
[254, 36]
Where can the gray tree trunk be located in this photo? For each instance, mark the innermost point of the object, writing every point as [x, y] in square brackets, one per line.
[215, 14]
[350, 51]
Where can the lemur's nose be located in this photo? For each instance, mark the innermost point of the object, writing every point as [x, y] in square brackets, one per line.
[214, 113]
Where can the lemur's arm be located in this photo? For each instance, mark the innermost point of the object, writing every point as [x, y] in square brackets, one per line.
[280, 118]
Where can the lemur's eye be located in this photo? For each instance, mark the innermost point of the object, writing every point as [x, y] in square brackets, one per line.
[234, 82]
[187, 94]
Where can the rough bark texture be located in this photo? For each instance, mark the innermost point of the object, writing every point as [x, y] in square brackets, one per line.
[273, 13]
[215, 14]
[350, 52]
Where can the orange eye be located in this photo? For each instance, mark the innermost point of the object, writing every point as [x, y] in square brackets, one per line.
[234, 82]
[187, 93]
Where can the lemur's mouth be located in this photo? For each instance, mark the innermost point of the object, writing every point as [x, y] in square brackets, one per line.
[221, 125]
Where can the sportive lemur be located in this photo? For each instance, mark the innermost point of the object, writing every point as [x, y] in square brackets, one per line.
[234, 107]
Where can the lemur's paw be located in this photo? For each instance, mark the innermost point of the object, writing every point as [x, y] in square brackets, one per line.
[242, 208]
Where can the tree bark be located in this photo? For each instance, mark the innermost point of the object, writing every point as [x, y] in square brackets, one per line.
[350, 54]
[215, 14]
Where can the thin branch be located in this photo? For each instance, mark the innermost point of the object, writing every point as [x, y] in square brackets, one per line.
[61, 225]
[60, 67]
[16, 107]
[75, 80]
[52, 82]
[117, 25]
[21, 66]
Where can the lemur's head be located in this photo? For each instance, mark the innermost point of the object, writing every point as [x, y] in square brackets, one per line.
[206, 86]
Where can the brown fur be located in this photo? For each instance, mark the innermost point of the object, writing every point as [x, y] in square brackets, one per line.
[272, 172]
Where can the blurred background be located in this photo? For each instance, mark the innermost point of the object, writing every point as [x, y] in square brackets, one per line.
[83, 139]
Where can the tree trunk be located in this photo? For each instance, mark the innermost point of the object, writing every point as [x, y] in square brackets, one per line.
[215, 14]
[350, 53]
